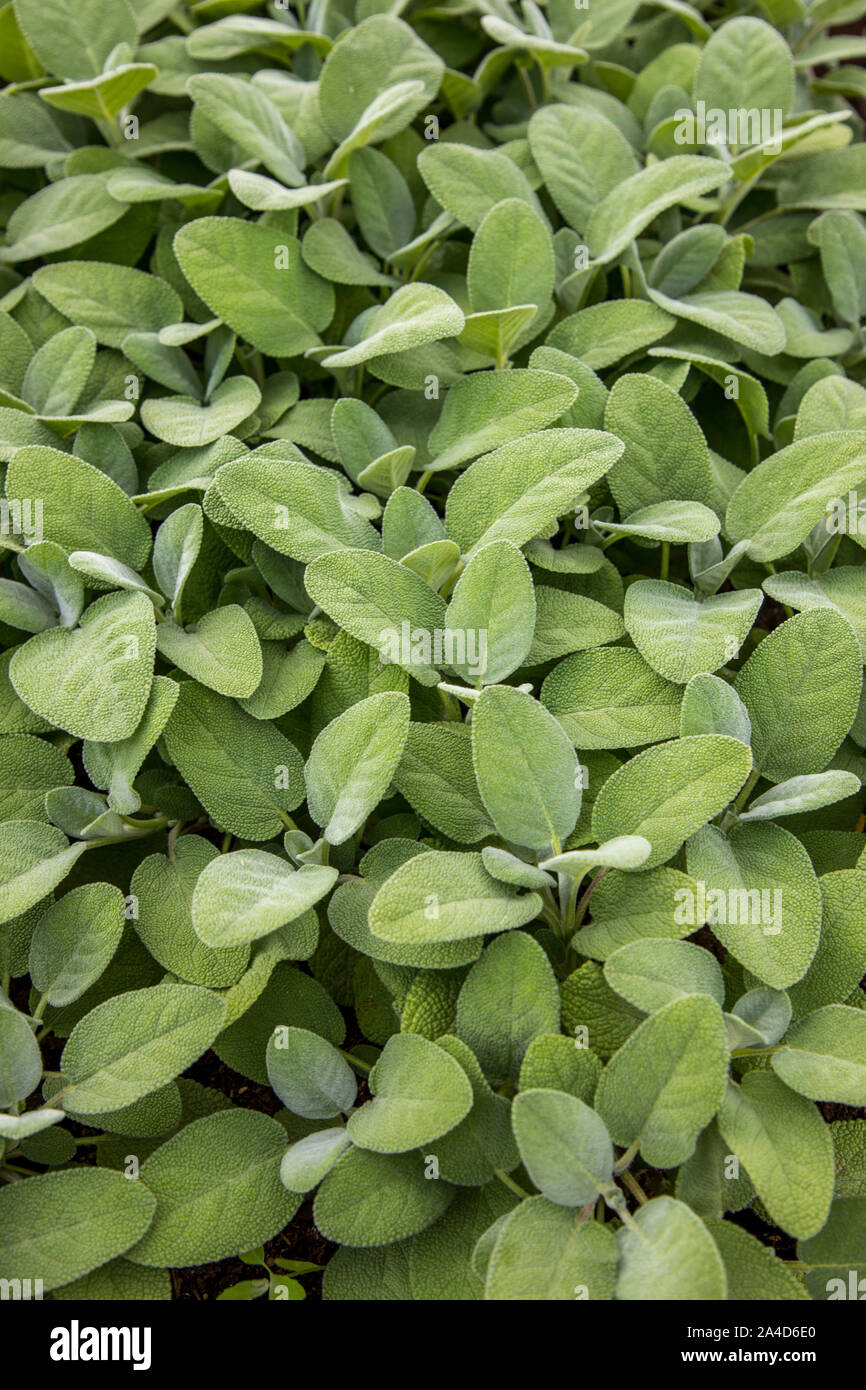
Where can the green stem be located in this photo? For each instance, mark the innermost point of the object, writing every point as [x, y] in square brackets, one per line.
[511, 1184]
[354, 1061]
[747, 789]
[666, 560]
[634, 1187]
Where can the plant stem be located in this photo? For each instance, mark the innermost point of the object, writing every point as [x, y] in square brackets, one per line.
[354, 1061]
[634, 1187]
[666, 559]
[511, 1184]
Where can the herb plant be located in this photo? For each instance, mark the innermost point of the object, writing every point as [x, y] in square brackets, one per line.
[433, 613]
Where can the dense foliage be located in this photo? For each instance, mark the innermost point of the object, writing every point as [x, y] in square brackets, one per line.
[433, 616]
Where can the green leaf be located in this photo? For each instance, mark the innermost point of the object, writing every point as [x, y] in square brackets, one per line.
[163, 888]
[801, 688]
[446, 896]
[651, 973]
[132, 1044]
[59, 216]
[114, 766]
[542, 1252]
[414, 316]
[75, 940]
[627, 907]
[760, 895]
[217, 1188]
[419, 1094]
[754, 1272]
[668, 1254]
[564, 1145]
[835, 1254]
[384, 604]
[533, 800]
[509, 997]
[633, 204]
[94, 681]
[20, 1058]
[665, 450]
[102, 97]
[254, 279]
[666, 1082]
[371, 1199]
[469, 182]
[680, 636]
[306, 1162]
[246, 117]
[111, 300]
[516, 491]
[582, 158]
[186, 423]
[776, 505]
[669, 792]
[309, 1075]
[605, 333]
[782, 1141]
[34, 858]
[611, 698]
[248, 894]
[379, 52]
[352, 762]
[76, 46]
[824, 1056]
[30, 768]
[83, 509]
[746, 64]
[489, 409]
[711, 706]
[246, 774]
[59, 1226]
[221, 651]
[436, 776]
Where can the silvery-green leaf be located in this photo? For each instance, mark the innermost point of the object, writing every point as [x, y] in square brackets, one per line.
[759, 893]
[669, 792]
[674, 522]
[101, 98]
[352, 762]
[246, 117]
[509, 997]
[824, 1055]
[533, 799]
[507, 868]
[651, 973]
[20, 1058]
[296, 508]
[681, 636]
[267, 195]
[446, 896]
[94, 681]
[222, 651]
[414, 316]
[564, 1145]
[666, 1082]
[668, 1254]
[468, 182]
[801, 688]
[605, 333]
[777, 504]
[419, 1092]
[611, 698]
[711, 706]
[541, 1251]
[130, 1045]
[309, 1075]
[493, 604]
[437, 778]
[75, 940]
[840, 588]
[255, 280]
[518, 490]
[665, 450]
[328, 249]
[627, 907]
[582, 157]
[488, 409]
[306, 1162]
[802, 794]
[106, 573]
[782, 1141]
[766, 1011]
[625, 852]
[34, 858]
[58, 216]
[639, 199]
[248, 894]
